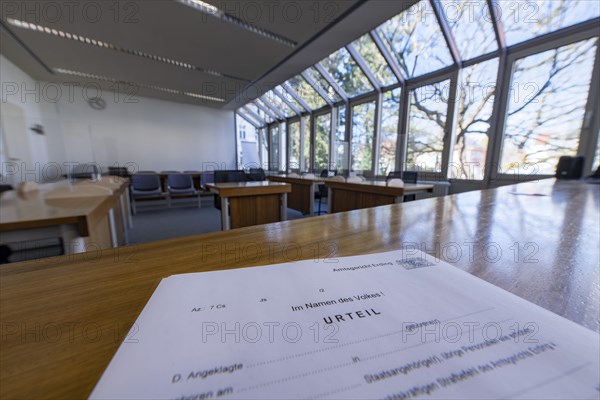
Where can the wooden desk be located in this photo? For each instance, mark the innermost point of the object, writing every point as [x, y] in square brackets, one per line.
[301, 198]
[63, 318]
[345, 196]
[251, 203]
[88, 214]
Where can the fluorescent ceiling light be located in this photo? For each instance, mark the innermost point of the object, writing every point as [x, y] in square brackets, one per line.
[99, 43]
[214, 11]
[143, 85]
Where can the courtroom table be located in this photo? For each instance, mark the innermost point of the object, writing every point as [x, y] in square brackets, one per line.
[85, 214]
[302, 195]
[251, 203]
[63, 318]
[347, 196]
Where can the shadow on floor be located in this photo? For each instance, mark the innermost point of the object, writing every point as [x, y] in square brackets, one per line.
[154, 221]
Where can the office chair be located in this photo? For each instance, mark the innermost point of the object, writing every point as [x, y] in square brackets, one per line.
[225, 176]
[181, 185]
[395, 182]
[322, 191]
[119, 171]
[257, 174]
[145, 186]
[409, 177]
[5, 188]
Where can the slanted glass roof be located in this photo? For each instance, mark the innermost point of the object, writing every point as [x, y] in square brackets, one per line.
[306, 92]
[346, 72]
[254, 109]
[415, 38]
[375, 61]
[471, 26]
[275, 101]
[269, 109]
[318, 79]
[289, 98]
[244, 114]
[250, 110]
[526, 19]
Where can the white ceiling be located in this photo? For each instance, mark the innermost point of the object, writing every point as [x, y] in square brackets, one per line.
[250, 63]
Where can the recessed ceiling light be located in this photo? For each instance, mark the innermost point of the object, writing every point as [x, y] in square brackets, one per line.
[98, 43]
[209, 9]
[143, 85]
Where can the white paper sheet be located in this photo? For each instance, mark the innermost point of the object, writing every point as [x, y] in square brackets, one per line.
[387, 325]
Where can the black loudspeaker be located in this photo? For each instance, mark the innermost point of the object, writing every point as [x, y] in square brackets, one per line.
[569, 167]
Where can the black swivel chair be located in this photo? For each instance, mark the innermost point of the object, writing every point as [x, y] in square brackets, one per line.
[5, 188]
[119, 171]
[224, 176]
[407, 177]
[322, 192]
[257, 174]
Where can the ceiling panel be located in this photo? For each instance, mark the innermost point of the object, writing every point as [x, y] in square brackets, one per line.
[296, 20]
[60, 53]
[168, 28]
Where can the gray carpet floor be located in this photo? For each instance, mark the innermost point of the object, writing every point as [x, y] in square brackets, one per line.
[155, 221]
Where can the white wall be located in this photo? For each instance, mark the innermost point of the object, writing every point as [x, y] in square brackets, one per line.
[20, 109]
[152, 134]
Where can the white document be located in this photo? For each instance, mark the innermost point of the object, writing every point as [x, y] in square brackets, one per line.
[387, 326]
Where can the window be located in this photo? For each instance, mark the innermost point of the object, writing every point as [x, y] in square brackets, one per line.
[469, 20]
[290, 99]
[247, 145]
[389, 132]
[341, 140]
[342, 67]
[318, 79]
[307, 143]
[426, 127]
[322, 130]
[294, 146]
[306, 92]
[375, 61]
[264, 148]
[474, 103]
[275, 102]
[363, 128]
[260, 113]
[416, 40]
[274, 134]
[526, 19]
[596, 162]
[282, 146]
[267, 109]
[549, 92]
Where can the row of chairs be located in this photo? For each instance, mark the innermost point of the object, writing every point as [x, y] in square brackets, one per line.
[237, 175]
[169, 172]
[147, 185]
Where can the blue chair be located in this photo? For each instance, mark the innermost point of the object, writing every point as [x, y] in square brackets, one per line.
[181, 185]
[145, 186]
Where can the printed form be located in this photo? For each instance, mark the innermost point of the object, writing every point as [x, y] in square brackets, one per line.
[387, 326]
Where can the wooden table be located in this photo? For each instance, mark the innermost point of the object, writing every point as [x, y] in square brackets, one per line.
[301, 198]
[347, 196]
[63, 318]
[86, 215]
[251, 203]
